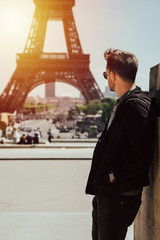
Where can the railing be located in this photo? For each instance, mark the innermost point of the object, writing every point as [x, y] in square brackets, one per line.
[51, 56]
[54, 56]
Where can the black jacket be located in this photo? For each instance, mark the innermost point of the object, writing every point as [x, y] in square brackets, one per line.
[126, 148]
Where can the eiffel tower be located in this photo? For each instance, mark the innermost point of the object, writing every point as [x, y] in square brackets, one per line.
[35, 67]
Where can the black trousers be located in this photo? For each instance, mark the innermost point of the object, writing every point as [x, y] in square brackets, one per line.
[112, 215]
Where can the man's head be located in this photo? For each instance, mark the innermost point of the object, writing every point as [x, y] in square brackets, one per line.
[122, 64]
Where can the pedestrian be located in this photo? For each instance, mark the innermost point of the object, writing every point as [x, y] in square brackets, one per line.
[40, 132]
[50, 136]
[2, 139]
[15, 135]
[121, 158]
[9, 132]
[28, 138]
[36, 137]
[22, 139]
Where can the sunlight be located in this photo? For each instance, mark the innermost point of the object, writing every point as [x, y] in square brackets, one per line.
[62, 90]
[13, 20]
[66, 90]
[55, 38]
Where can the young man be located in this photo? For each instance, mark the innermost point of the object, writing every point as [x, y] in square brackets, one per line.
[121, 158]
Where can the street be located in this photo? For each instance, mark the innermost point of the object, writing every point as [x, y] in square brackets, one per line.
[45, 125]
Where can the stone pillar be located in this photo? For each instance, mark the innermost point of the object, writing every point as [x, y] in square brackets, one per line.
[147, 222]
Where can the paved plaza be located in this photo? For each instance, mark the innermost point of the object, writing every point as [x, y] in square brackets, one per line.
[45, 200]
[46, 153]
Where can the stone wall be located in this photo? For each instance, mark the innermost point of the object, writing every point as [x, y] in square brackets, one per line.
[147, 222]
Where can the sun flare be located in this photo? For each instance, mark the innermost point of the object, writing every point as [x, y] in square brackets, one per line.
[13, 20]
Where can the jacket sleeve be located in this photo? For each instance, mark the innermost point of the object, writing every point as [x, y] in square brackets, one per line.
[137, 125]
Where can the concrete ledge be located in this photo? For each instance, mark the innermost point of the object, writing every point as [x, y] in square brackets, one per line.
[58, 143]
[88, 140]
[43, 146]
[39, 159]
[60, 140]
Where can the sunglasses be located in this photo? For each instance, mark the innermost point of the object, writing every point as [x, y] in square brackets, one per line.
[105, 75]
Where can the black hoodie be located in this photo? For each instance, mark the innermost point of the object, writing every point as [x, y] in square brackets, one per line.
[126, 148]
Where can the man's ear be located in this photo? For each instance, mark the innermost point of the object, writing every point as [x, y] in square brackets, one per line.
[113, 77]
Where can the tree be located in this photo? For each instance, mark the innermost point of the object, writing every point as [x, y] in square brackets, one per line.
[94, 105]
[107, 108]
[80, 108]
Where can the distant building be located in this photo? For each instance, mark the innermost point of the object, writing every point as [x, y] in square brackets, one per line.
[30, 99]
[50, 90]
[68, 102]
[109, 94]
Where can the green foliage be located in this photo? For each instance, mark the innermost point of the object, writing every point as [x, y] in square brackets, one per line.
[107, 108]
[80, 108]
[93, 106]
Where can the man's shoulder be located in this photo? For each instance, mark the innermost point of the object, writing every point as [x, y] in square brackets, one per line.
[138, 98]
[138, 102]
[139, 106]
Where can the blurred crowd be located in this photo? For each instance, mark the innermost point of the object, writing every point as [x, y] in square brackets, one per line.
[34, 137]
[20, 137]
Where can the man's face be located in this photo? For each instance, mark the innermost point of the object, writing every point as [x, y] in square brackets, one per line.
[111, 79]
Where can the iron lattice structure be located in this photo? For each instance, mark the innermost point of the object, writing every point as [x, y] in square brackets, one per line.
[34, 67]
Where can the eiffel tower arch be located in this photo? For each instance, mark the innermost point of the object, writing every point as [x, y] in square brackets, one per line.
[35, 67]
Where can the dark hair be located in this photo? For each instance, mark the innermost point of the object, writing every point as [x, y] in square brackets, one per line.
[125, 64]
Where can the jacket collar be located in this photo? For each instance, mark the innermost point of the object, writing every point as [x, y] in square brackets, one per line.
[123, 98]
[131, 90]
[118, 102]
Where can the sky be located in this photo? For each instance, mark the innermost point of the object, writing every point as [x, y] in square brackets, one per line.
[124, 24]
